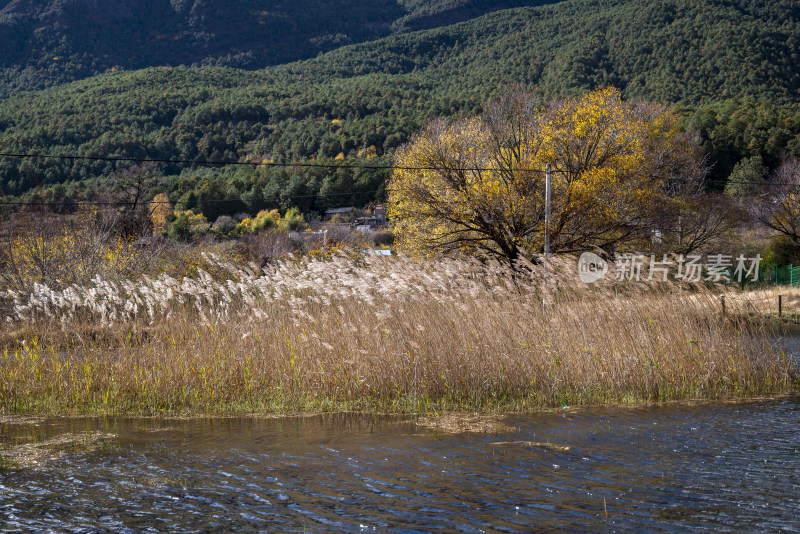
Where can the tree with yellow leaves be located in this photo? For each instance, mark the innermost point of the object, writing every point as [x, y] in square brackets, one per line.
[477, 185]
[160, 213]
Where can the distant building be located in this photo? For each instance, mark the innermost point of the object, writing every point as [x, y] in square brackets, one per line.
[364, 223]
[380, 214]
[371, 222]
[344, 213]
[368, 223]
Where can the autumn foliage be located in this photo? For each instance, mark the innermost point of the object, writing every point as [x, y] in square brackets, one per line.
[160, 213]
[478, 185]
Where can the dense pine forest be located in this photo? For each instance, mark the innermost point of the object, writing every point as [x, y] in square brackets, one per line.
[730, 68]
[49, 42]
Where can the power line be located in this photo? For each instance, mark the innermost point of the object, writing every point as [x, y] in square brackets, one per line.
[187, 161]
[131, 203]
[69, 204]
[753, 182]
[299, 164]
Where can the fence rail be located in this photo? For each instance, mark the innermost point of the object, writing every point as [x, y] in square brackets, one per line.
[787, 275]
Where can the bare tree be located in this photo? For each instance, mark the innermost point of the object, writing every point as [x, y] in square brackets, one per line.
[778, 206]
[129, 211]
[693, 223]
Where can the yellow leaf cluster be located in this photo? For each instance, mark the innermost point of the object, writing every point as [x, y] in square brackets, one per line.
[478, 184]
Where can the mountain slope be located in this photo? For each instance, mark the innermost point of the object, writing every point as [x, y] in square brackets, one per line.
[668, 50]
[48, 42]
[367, 99]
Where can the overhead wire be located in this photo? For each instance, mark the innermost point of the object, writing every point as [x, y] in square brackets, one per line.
[223, 163]
[255, 164]
[305, 164]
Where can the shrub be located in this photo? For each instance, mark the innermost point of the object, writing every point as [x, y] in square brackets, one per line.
[244, 227]
[188, 225]
[267, 219]
[267, 247]
[782, 250]
[383, 238]
[294, 221]
[61, 251]
[224, 224]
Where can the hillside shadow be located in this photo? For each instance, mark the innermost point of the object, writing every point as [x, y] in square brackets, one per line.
[425, 18]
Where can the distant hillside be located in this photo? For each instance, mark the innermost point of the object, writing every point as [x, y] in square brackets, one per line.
[49, 42]
[731, 67]
[685, 51]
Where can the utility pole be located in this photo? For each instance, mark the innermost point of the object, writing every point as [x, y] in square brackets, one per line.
[547, 212]
[546, 237]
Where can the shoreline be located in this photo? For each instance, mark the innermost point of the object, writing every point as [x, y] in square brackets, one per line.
[41, 416]
[27, 418]
[39, 449]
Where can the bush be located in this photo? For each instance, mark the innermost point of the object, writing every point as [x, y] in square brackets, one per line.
[267, 247]
[267, 219]
[224, 224]
[61, 251]
[188, 225]
[243, 228]
[781, 250]
[294, 221]
[383, 238]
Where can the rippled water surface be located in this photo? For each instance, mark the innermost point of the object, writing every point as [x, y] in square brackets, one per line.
[720, 467]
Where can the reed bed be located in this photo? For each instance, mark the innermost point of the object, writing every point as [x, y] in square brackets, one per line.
[378, 334]
[763, 302]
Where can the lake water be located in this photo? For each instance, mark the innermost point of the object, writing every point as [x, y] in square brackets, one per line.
[722, 467]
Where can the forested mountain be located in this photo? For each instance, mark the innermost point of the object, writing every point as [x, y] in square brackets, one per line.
[48, 42]
[731, 67]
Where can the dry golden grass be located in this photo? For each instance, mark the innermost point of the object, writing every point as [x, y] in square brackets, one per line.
[764, 302]
[375, 334]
